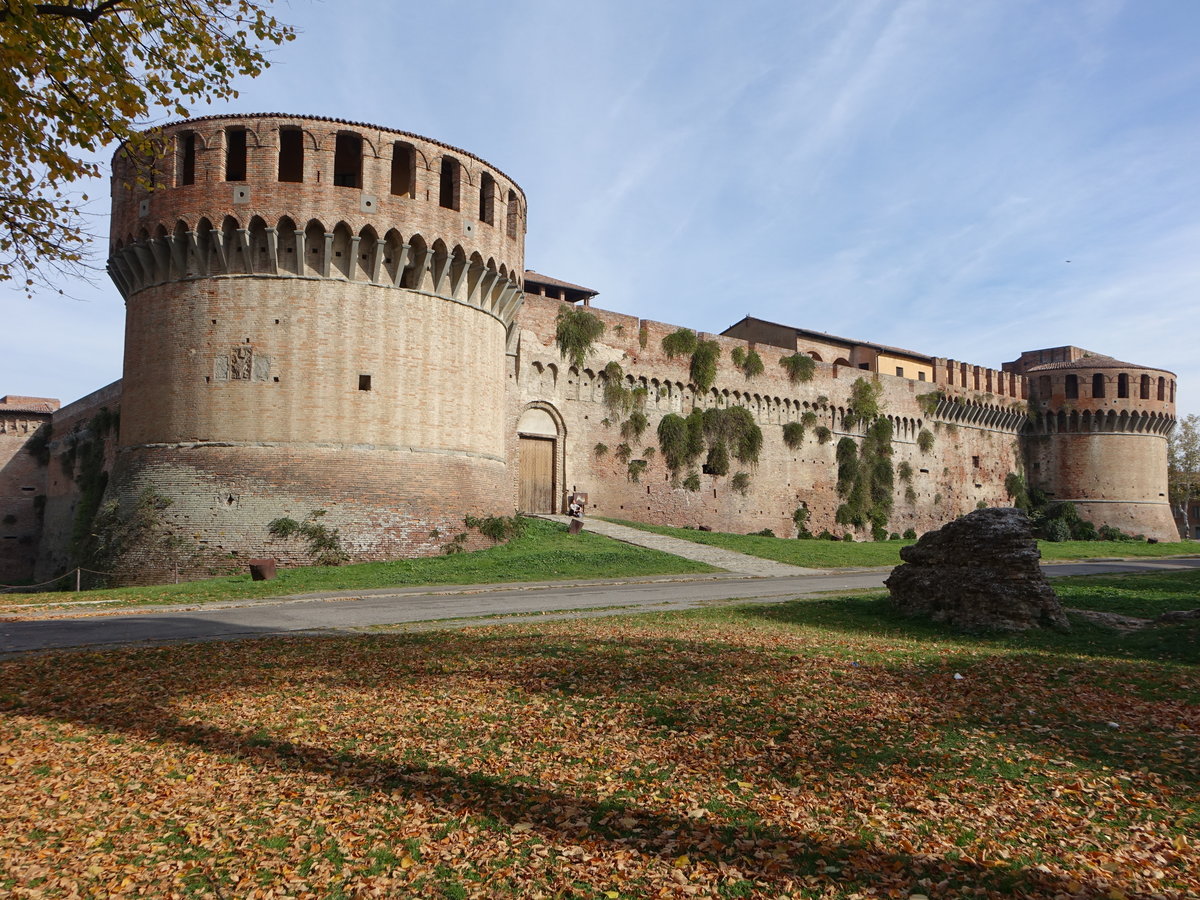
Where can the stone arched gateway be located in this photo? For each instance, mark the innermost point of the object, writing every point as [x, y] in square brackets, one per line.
[539, 449]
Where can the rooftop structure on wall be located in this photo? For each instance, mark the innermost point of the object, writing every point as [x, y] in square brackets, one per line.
[330, 315]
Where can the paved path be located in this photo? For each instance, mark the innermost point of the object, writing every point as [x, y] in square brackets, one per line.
[348, 611]
[729, 560]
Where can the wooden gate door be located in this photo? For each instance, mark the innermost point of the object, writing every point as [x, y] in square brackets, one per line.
[537, 475]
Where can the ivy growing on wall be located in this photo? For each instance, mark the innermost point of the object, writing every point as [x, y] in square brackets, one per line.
[704, 356]
[692, 482]
[866, 477]
[680, 342]
[740, 483]
[925, 440]
[703, 370]
[863, 405]
[799, 367]
[636, 468]
[748, 361]
[634, 426]
[793, 434]
[824, 435]
[681, 440]
[809, 419]
[575, 332]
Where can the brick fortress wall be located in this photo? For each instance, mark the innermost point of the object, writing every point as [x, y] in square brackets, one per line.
[314, 328]
[975, 439]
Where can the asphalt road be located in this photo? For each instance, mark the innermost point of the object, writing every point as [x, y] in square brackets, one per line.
[348, 611]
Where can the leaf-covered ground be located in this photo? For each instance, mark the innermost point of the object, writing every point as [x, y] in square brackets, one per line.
[785, 751]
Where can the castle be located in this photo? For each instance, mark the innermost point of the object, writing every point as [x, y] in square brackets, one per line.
[331, 315]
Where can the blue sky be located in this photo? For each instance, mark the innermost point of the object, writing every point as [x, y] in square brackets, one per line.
[909, 172]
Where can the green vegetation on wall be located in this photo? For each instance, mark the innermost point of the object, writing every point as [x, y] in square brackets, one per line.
[866, 477]
[703, 370]
[680, 342]
[324, 542]
[799, 367]
[793, 434]
[575, 332]
[748, 361]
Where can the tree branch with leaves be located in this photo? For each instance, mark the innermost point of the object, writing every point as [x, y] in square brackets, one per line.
[78, 76]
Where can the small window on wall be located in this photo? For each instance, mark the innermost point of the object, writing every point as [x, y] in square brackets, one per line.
[403, 169]
[900, 371]
[235, 154]
[291, 154]
[347, 161]
[920, 376]
[187, 158]
[448, 190]
[487, 199]
[364, 382]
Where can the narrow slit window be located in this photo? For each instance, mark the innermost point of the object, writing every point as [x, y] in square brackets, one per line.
[403, 169]
[448, 190]
[487, 199]
[187, 158]
[347, 161]
[291, 155]
[364, 382]
[235, 154]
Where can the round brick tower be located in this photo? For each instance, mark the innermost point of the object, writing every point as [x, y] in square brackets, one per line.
[317, 314]
[1098, 438]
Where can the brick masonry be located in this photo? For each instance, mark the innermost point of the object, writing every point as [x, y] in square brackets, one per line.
[355, 339]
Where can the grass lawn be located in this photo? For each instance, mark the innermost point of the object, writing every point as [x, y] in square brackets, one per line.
[819, 748]
[545, 552]
[839, 554]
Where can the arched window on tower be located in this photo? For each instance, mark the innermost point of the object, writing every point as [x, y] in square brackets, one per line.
[448, 190]
[1098, 386]
[403, 169]
[291, 154]
[1145, 387]
[487, 199]
[1072, 387]
[1123, 386]
[186, 149]
[235, 154]
[347, 160]
[1162, 388]
[1043, 387]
